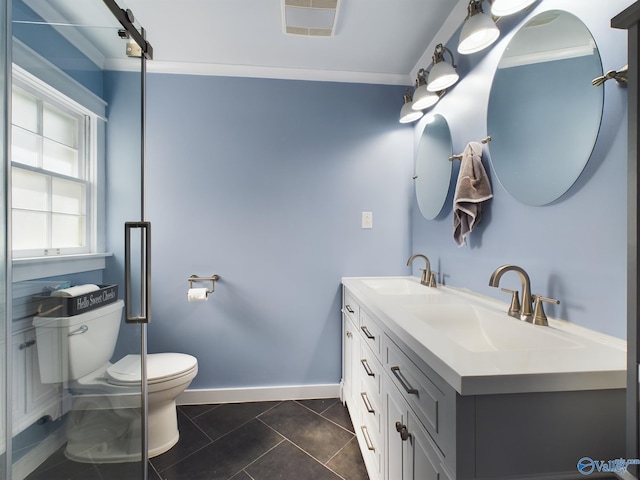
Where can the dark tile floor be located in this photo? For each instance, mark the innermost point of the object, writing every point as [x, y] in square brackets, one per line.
[290, 440]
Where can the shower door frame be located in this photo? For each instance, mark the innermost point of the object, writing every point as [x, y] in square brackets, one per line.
[6, 420]
[629, 19]
[125, 18]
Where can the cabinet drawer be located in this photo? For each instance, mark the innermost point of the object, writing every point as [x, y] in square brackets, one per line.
[371, 334]
[370, 370]
[350, 307]
[371, 406]
[371, 445]
[426, 399]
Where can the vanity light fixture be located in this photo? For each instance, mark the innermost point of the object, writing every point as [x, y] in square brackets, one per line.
[423, 98]
[407, 113]
[502, 8]
[479, 30]
[442, 74]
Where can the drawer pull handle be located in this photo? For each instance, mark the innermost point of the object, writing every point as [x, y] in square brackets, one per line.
[408, 388]
[26, 344]
[367, 368]
[367, 440]
[367, 332]
[349, 309]
[349, 334]
[367, 403]
[402, 430]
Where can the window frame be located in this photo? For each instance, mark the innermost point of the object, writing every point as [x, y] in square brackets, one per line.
[87, 159]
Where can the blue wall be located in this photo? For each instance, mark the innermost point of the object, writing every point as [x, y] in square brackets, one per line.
[263, 182]
[574, 249]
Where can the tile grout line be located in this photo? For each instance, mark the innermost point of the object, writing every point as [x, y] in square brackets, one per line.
[326, 418]
[246, 473]
[336, 454]
[154, 469]
[284, 439]
[303, 450]
[314, 458]
[211, 441]
[189, 455]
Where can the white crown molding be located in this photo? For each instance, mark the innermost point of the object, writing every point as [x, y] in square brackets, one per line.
[183, 68]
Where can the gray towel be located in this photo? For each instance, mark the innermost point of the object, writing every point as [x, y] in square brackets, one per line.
[472, 189]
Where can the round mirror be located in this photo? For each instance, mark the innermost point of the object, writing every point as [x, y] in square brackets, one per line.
[544, 113]
[433, 167]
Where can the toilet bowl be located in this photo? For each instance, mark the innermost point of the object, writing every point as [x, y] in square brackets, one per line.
[104, 423]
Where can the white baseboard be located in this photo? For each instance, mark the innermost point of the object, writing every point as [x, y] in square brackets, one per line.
[32, 460]
[257, 394]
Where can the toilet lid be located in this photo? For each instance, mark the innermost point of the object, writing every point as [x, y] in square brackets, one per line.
[160, 367]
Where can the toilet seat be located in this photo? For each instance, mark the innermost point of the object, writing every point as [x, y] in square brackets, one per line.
[161, 367]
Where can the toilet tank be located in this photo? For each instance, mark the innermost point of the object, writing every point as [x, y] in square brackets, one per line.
[72, 347]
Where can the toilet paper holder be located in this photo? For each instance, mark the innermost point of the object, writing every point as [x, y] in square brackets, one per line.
[212, 279]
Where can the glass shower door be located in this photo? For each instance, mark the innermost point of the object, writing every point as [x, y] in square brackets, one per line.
[77, 178]
[4, 334]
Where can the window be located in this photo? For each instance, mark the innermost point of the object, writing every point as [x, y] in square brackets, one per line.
[51, 174]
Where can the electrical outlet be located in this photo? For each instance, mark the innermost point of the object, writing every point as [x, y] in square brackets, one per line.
[367, 219]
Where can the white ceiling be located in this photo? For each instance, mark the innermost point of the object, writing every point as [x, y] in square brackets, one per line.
[376, 41]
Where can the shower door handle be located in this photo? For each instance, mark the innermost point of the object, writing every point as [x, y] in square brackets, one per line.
[145, 272]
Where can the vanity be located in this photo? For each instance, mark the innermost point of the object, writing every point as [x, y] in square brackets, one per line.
[441, 384]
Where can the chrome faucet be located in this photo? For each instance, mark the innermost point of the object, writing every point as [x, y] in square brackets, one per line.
[526, 313]
[428, 277]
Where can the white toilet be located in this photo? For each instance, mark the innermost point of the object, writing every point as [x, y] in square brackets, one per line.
[104, 422]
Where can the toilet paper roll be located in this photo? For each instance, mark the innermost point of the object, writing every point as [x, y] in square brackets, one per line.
[197, 295]
[75, 291]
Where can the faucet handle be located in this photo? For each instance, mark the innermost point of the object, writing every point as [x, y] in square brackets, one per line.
[432, 279]
[539, 317]
[514, 308]
[426, 273]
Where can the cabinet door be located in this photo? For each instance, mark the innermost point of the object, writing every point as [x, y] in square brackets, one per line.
[350, 357]
[31, 398]
[42, 399]
[411, 453]
[396, 419]
[425, 462]
[19, 379]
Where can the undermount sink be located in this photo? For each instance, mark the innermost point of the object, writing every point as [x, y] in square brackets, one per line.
[398, 286]
[480, 330]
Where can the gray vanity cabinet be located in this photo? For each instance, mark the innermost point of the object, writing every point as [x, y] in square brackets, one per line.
[411, 424]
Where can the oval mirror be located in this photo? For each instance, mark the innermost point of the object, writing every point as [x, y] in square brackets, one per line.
[544, 113]
[433, 168]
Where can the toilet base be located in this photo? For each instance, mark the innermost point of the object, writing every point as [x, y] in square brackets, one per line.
[112, 435]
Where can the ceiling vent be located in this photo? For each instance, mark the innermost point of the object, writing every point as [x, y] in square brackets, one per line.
[316, 18]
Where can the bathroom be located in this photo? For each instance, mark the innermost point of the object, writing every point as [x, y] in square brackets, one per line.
[263, 182]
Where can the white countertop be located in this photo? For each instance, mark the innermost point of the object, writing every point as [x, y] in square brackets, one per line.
[461, 336]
